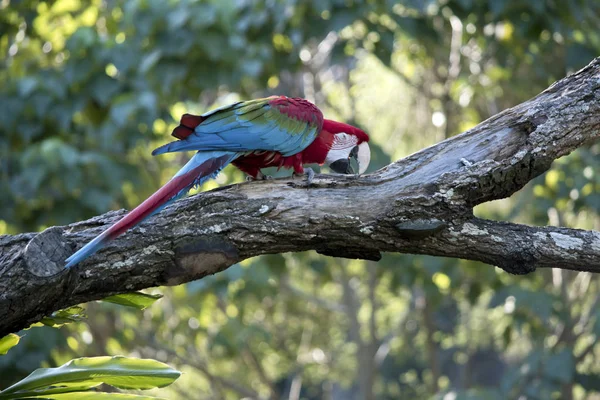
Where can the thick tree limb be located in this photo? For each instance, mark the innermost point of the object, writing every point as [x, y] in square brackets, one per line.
[421, 204]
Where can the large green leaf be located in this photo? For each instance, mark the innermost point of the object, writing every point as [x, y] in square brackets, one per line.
[7, 342]
[64, 388]
[137, 300]
[85, 373]
[94, 396]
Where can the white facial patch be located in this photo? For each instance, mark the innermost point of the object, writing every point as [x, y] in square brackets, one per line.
[341, 147]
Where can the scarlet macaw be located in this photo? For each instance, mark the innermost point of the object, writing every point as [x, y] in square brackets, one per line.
[272, 132]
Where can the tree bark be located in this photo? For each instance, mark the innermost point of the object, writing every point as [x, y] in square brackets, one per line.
[421, 204]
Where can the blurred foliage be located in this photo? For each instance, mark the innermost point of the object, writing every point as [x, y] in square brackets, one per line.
[88, 88]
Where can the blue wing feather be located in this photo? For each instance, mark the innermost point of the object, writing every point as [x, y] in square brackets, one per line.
[245, 126]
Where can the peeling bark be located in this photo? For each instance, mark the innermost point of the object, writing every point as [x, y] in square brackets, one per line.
[421, 204]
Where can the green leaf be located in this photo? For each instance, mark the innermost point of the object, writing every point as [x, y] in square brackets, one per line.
[55, 322]
[94, 396]
[121, 372]
[137, 300]
[64, 388]
[66, 316]
[7, 342]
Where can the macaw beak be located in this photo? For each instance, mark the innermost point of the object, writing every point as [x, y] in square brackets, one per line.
[360, 155]
[363, 157]
[342, 166]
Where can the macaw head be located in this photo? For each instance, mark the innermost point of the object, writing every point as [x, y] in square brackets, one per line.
[350, 145]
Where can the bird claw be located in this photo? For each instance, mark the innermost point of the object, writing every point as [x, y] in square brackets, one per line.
[309, 173]
[466, 162]
[259, 177]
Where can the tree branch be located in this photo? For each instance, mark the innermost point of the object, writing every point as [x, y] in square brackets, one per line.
[421, 204]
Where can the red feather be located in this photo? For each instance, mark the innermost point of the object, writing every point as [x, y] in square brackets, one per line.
[187, 125]
[299, 109]
[315, 153]
[337, 127]
[163, 195]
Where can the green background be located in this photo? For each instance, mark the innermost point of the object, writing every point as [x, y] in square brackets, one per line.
[89, 88]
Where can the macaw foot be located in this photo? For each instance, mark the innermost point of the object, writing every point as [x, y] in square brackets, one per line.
[309, 173]
[466, 162]
[259, 177]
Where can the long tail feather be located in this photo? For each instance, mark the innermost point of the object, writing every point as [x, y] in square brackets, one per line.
[179, 145]
[201, 167]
